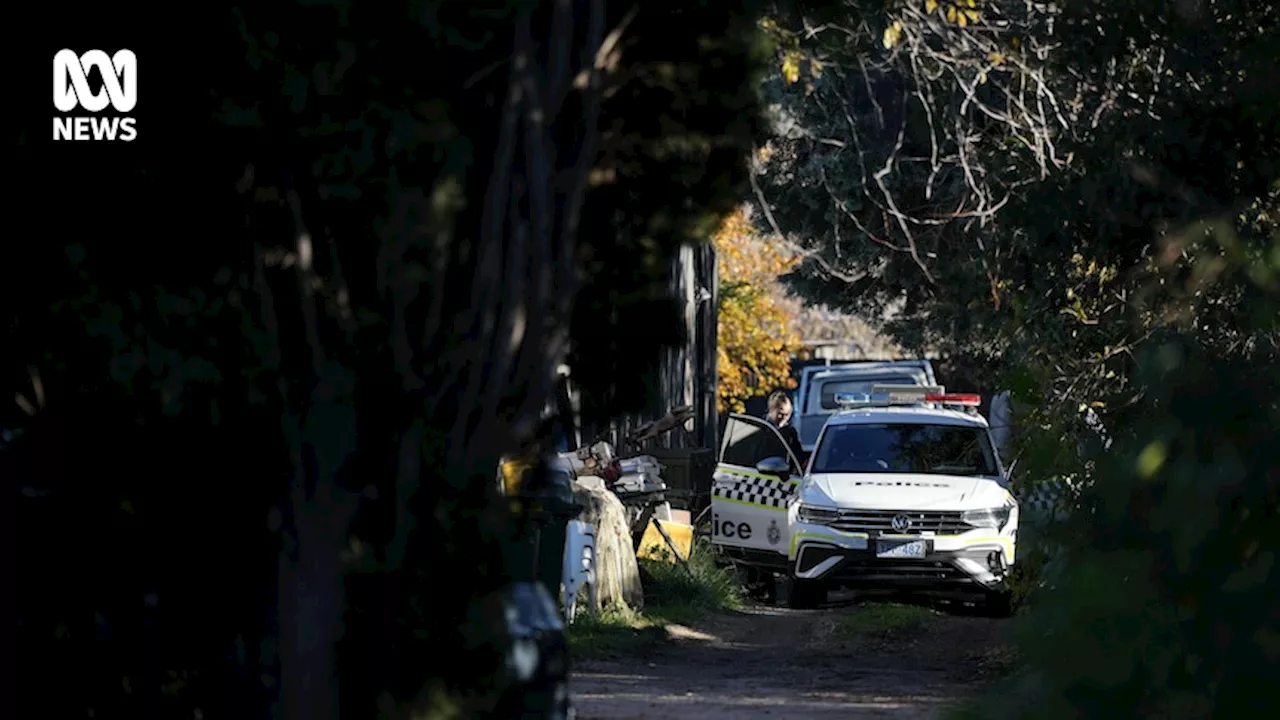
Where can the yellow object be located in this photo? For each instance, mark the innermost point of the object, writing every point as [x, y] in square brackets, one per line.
[513, 471]
[757, 325]
[892, 35]
[653, 547]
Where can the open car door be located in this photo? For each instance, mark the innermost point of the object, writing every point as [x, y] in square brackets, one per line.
[748, 506]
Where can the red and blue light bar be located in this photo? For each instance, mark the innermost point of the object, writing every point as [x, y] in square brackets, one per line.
[885, 395]
[966, 399]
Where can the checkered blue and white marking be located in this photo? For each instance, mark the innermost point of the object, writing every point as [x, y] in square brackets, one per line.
[1047, 498]
[755, 490]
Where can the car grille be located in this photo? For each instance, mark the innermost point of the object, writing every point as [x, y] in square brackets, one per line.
[883, 573]
[881, 521]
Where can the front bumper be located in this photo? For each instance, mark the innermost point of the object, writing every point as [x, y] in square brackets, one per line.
[751, 557]
[979, 559]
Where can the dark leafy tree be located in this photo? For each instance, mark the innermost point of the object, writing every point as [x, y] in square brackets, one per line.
[1000, 186]
[268, 359]
[1086, 198]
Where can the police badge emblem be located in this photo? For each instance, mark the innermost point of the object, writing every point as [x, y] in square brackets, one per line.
[774, 534]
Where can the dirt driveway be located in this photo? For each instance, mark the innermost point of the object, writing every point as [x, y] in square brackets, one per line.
[851, 660]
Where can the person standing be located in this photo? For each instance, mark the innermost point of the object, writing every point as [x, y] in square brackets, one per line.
[779, 415]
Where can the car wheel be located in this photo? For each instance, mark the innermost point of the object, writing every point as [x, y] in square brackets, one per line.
[806, 594]
[757, 584]
[765, 589]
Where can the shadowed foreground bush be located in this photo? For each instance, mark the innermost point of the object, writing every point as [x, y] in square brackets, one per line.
[1168, 604]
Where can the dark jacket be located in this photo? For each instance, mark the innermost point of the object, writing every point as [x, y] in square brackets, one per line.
[792, 439]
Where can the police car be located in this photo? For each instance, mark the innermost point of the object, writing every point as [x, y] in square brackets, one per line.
[904, 491]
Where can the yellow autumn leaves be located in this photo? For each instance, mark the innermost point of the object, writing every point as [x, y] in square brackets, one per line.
[1087, 297]
[756, 337]
[791, 57]
[957, 12]
[960, 12]
[892, 34]
[791, 66]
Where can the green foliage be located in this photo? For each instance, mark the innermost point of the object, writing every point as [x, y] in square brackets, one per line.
[1006, 286]
[615, 634]
[1168, 607]
[674, 591]
[884, 621]
[673, 595]
[1129, 275]
[1028, 574]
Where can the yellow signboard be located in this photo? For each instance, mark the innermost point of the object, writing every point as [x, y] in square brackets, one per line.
[654, 547]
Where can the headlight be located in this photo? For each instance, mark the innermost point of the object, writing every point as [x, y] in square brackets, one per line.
[988, 518]
[817, 515]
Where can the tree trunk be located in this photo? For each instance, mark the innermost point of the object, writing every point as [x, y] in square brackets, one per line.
[477, 326]
[311, 605]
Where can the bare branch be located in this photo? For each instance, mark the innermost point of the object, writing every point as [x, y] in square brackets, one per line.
[782, 237]
[983, 84]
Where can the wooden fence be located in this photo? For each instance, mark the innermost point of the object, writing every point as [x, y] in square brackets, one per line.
[687, 374]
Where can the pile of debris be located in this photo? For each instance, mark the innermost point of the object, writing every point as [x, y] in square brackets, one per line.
[622, 513]
[638, 483]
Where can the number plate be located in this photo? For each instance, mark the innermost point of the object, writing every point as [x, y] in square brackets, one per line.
[900, 548]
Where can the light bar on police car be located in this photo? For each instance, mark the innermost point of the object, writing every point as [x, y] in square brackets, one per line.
[966, 399]
[846, 399]
[861, 399]
[886, 395]
[915, 392]
[879, 398]
[933, 394]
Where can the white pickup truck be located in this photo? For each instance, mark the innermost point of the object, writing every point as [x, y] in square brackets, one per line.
[904, 491]
[814, 399]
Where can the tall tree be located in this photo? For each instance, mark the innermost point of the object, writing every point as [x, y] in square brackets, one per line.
[270, 362]
[918, 147]
[1087, 196]
[756, 334]
[901, 132]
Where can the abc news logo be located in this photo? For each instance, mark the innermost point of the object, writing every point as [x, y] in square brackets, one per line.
[71, 90]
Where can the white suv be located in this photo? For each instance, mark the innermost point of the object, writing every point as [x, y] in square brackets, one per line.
[904, 491]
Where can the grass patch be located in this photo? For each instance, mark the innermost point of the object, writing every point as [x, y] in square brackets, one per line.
[884, 621]
[613, 633]
[672, 590]
[672, 594]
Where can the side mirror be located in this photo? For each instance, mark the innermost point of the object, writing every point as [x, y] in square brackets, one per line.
[774, 466]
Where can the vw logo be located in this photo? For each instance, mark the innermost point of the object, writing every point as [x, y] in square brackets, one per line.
[901, 523]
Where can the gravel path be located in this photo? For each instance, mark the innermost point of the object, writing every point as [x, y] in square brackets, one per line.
[770, 662]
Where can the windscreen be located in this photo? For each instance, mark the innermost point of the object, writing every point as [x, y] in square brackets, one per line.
[905, 448]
